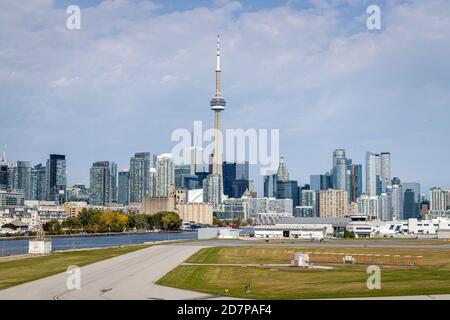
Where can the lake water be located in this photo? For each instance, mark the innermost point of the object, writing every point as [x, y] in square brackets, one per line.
[10, 247]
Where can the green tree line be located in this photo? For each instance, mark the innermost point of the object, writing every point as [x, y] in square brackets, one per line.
[97, 221]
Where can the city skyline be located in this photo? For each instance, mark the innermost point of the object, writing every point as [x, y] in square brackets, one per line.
[268, 83]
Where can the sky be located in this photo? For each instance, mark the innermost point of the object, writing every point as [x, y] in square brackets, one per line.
[138, 70]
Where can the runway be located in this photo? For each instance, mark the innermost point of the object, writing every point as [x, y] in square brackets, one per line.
[129, 276]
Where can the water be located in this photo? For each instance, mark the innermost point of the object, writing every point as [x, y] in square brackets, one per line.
[10, 247]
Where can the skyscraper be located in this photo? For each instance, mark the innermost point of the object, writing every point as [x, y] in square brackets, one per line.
[20, 178]
[385, 168]
[217, 105]
[438, 201]
[385, 207]
[321, 182]
[38, 182]
[339, 170]
[139, 176]
[165, 174]
[213, 189]
[100, 183]
[196, 160]
[333, 203]
[283, 172]
[411, 201]
[182, 171]
[235, 178]
[3, 173]
[56, 178]
[373, 171]
[355, 182]
[397, 201]
[113, 172]
[270, 185]
[310, 198]
[288, 190]
[123, 192]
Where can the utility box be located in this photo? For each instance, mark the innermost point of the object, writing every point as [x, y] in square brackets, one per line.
[40, 246]
[300, 260]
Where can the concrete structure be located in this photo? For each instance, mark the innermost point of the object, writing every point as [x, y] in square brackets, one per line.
[221, 233]
[40, 246]
[199, 213]
[333, 203]
[217, 105]
[443, 234]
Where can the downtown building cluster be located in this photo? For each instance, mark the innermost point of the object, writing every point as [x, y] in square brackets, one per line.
[198, 191]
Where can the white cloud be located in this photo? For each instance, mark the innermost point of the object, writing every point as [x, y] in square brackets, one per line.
[304, 71]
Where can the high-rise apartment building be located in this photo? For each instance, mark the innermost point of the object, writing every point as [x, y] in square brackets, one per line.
[165, 174]
[100, 183]
[196, 160]
[20, 178]
[310, 198]
[213, 190]
[38, 182]
[385, 167]
[370, 206]
[56, 178]
[373, 172]
[355, 182]
[438, 200]
[333, 203]
[123, 190]
[139, 176]
[396, 192]
[339, 170]
[113, 172]
[385, 207]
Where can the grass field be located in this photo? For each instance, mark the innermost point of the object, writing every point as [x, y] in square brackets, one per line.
[18, 271]
[293, 283]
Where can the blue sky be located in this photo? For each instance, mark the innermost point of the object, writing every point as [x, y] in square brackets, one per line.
[137, 70]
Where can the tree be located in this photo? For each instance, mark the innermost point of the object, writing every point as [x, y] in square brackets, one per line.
[138, 221]
[171, 221]
[218, 222]
[9, 226]
[52, 226]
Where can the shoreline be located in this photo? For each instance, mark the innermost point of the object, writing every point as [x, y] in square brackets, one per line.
[92, 234]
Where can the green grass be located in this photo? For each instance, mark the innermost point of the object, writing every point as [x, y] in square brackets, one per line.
[293, 283]
[19, 271]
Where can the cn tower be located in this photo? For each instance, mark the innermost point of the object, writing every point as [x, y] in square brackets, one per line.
[217, 105]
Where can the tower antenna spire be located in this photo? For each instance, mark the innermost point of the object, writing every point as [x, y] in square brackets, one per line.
[217, 105]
